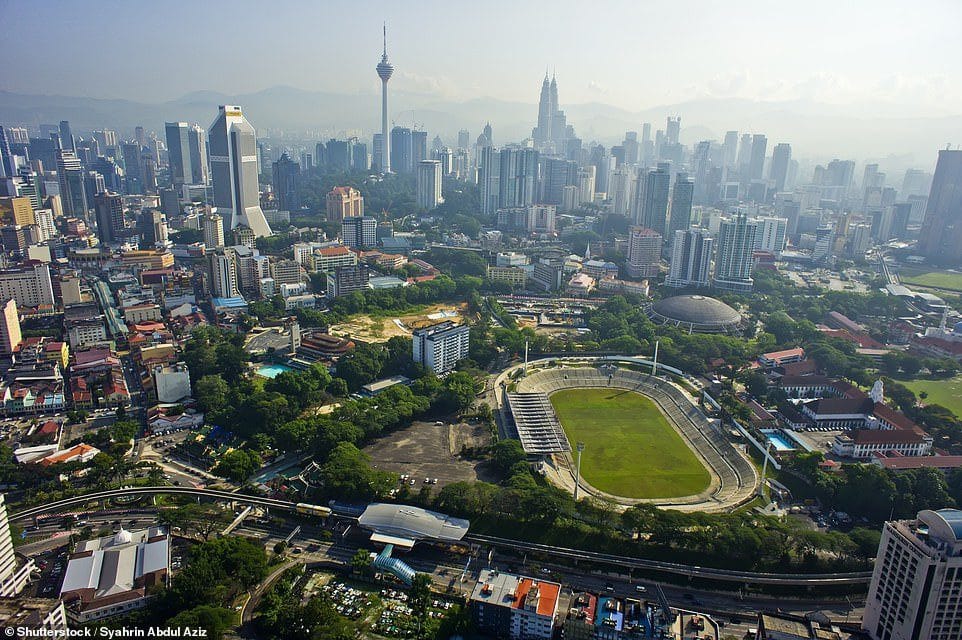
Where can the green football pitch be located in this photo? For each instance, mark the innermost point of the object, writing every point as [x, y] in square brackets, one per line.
[630, 448]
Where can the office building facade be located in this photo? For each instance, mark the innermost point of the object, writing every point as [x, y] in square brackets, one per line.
[691, 253]
[429, 184]
[233, 163]
[917, 581]
[733, 259]
[359, 232]
[644, 252]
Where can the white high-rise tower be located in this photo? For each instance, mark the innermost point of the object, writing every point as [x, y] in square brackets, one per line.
[384, 71]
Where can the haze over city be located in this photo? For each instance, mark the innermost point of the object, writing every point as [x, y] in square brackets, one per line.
[835, 78]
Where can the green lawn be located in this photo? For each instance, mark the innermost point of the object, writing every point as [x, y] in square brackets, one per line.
[947, 392]
[630, 448]
[947, 280]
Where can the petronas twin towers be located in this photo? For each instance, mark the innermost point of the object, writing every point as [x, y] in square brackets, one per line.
[553, 131]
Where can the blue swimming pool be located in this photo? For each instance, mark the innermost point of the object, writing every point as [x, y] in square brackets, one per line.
[272, 370]
[780, 442]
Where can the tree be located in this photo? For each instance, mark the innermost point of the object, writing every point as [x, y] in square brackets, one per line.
[338, 388]
[458, 391]
[214, 620]
[419, 599]
[237, 465]
[203, 518]
[507, 453]
[361, 561]
[348, 474]
[211, 392]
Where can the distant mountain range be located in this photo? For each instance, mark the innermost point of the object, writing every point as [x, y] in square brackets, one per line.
[886, 133]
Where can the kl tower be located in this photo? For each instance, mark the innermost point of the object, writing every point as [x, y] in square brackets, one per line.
[384, 71]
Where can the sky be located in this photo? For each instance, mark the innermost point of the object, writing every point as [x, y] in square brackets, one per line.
[633, 54]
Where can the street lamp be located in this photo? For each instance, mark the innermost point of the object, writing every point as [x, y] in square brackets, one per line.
[580, 447]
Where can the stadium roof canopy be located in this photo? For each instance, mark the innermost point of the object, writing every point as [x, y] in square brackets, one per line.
[403, 521]
[537, 424]
[697, 314]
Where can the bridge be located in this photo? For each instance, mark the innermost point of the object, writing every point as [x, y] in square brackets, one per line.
[689, 571]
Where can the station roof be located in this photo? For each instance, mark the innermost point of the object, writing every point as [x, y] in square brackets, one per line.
[403, 521]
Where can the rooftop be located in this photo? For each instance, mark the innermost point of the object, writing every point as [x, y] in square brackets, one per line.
[412, 522]
[699, 313]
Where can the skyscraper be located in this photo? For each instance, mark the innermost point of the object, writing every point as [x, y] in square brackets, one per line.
[781, 158]
[733, 262]
[402, 150]
[429, 184]
[730, 149]
[384, 71]
[419, 147]
[286, 175]
[8, 166]
[213, 231]
[197, 150]
[650, 200]
[66, 137]
[681, 197]
[690, 259]
[223, 275]
[178, 152]
[517, 177]
[10, 335]
[359, 231]
[489, 162]
[233, 162]
[771, 234]
[110, 216]
[644, 252]
[556, 174]
[941, 236]
[12, 578]
[756, 162]
[673, 129]
[917, 579]
[73, 192]
[552, 132]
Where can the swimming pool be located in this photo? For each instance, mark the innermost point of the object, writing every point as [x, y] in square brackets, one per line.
[272, 370]
[779, 441]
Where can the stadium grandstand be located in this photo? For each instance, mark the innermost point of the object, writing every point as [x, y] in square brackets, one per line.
[537, 424]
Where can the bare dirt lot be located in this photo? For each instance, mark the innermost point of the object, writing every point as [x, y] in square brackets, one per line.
[428, 450]
[376, 329]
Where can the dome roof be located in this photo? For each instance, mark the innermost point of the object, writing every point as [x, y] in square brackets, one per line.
[698, 313]
[123, 536]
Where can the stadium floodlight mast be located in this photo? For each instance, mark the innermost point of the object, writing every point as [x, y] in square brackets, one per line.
[580, 447]
[654, 363]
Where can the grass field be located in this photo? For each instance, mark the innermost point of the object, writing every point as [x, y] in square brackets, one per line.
[947, 393]
[630, 448]
[947, 280]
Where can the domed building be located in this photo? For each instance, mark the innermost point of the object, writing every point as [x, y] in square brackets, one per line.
[695, 314]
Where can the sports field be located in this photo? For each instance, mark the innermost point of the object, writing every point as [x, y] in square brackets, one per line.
[947, 393]
[946, 280]
[630, 448]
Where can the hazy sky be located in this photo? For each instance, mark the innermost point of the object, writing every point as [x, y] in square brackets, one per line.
[631, 54]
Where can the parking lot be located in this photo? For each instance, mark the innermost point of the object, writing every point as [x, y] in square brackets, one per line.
[384, 612]
[428, 450]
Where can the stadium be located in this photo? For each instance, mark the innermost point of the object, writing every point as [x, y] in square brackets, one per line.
[645, 441]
